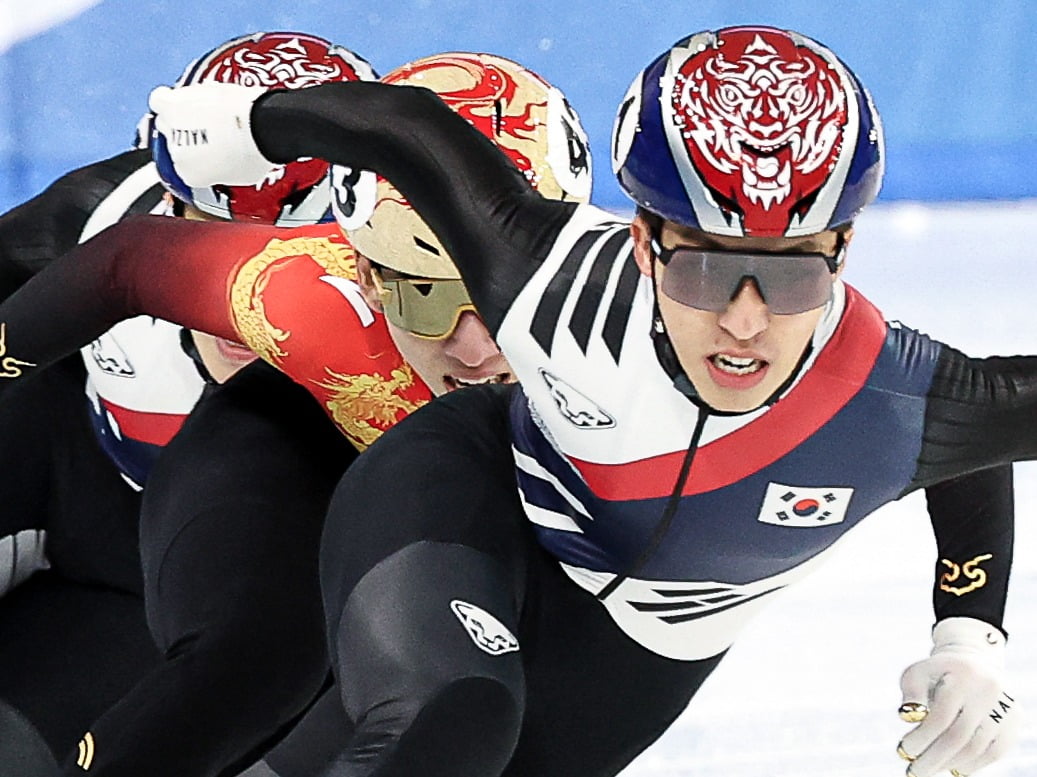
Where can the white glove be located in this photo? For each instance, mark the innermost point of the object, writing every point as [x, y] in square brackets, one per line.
[208, 134]
[971, 721]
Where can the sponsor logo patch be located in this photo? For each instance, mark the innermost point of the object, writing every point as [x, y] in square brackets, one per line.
[970, 570]
[111, 358]
[85, 754]
[488, 633]
[574, 406]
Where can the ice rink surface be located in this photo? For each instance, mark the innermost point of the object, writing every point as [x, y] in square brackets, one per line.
[812, 685]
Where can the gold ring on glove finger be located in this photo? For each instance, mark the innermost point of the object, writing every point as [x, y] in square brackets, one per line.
[904, 754]
[910, 758]
[912, 712]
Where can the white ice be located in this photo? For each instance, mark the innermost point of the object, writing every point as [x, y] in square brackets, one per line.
[812, 686]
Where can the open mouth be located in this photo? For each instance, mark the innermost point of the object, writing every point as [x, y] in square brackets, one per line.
[455, 382]
[737, 365]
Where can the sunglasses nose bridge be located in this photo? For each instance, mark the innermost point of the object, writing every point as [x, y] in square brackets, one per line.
[749, 290]
[748, 280]
[746, 315]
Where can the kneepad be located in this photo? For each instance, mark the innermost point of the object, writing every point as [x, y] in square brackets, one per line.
[428, 631]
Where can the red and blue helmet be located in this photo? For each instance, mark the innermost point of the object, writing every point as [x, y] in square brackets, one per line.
[293, 194]
[749, 131]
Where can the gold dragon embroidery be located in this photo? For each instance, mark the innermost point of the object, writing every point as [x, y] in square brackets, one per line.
[10, 367]
[358, 402]
[250, 283]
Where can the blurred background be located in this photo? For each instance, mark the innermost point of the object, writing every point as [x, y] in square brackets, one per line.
[956, 80]
[813, 684]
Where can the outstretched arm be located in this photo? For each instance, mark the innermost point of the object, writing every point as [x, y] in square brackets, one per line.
[979, 413]
[495, 227]
[151, 265]
[971, 720]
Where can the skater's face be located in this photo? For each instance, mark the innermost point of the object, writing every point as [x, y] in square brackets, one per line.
[746, 333]
[435, 328]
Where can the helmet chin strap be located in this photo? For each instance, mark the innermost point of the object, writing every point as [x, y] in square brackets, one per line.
[667, 356]
[189, 347]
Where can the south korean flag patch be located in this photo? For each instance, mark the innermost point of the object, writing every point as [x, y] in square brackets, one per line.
[804, 508]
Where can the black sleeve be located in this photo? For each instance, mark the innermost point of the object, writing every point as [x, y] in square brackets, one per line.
[70, 302]
[45, 227]
[495, 227]
[973, 519]
[980, 413]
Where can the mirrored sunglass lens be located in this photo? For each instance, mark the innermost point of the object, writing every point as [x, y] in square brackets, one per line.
[426, 308]
[797, 285]
[709, 280]
[690, 279]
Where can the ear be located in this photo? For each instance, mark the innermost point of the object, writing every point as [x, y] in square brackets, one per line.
[369, 287]
[642, 236]
[847, 237]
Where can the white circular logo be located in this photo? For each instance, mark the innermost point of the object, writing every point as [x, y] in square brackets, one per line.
[353, 194]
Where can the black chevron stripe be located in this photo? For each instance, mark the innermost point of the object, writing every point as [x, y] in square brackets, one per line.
[691, 616]
[593, 290]
[691, 601]
[618, 316]
[676, 593]
[545, 319]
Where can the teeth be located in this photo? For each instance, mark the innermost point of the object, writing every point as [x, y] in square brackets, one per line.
[736, 365]
[737, 361]
[476, 381]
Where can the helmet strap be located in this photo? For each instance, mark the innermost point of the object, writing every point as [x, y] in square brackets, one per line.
[187, 345]
[664, 350]
[671, 365]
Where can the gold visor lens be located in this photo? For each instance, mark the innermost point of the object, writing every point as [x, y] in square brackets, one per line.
[425, 308]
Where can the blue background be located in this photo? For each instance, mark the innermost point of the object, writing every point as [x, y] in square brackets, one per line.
[956, 80]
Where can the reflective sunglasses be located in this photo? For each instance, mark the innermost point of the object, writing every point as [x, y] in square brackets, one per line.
[710, 280]
[425, 307]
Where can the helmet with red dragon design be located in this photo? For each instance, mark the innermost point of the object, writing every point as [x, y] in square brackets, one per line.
[749, 131]
[526, 117]
[293, 194]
